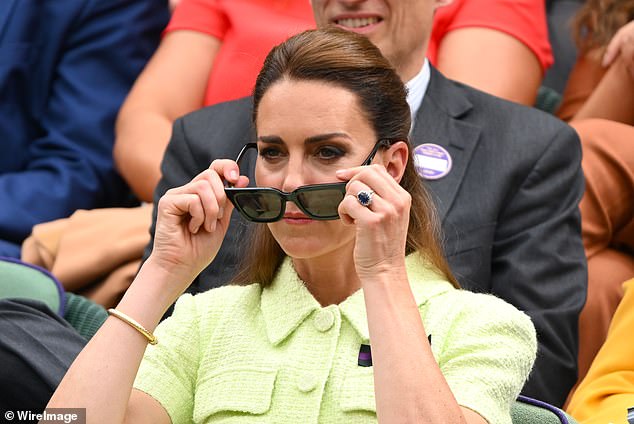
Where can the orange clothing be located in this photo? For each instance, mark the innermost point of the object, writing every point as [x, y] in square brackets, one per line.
[248, 30]
[96, 261]
[608, 389]
[584, 78]
[607, 226]
[525, 20]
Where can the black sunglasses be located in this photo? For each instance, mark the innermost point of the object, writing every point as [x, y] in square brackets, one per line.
[317, 201]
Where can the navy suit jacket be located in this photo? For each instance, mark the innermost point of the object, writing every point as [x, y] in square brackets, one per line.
[509, 208]
[65, 68]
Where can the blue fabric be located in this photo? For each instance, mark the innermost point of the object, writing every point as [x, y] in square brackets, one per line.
[9, 250]
[65, 68]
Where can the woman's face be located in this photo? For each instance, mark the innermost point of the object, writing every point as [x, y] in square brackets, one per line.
[306, 131]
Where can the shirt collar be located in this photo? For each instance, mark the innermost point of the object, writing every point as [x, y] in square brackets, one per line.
[416, 88]
[286, 303]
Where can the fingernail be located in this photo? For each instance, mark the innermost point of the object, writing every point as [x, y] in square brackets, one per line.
[341, 172]
[233, 174]
[221, 213]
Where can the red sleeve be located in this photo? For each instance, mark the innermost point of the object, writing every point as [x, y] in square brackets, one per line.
[206, 16]
[524, 20]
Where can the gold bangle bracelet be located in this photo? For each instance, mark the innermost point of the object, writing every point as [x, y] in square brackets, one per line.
[151, 338]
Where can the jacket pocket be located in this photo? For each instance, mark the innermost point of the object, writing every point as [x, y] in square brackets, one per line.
[357, 392]
[460, 241]
[237, 390]
[469, 255]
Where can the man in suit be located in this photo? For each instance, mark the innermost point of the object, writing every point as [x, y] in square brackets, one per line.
[65, 68]
[506, 180]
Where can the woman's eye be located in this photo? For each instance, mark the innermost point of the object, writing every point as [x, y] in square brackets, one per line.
[270, 153]
[329, 152]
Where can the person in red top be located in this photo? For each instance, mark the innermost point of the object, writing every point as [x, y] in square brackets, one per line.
[500, 46]
[247, 30]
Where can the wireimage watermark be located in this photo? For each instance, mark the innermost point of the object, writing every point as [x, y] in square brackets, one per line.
[48, 416]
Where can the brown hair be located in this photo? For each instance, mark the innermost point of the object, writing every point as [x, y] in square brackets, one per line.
[352, 62]
[597, 21]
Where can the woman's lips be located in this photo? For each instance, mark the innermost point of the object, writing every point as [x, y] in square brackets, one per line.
[296, 218]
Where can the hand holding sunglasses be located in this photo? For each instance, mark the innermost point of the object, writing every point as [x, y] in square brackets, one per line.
[317, 201]
[192, 220]
[378, 207]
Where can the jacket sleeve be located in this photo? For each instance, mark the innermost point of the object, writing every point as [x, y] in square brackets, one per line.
[539, 262]
[168, 371]
[70, 164]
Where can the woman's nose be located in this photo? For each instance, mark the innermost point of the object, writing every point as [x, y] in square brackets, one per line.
[295, 176]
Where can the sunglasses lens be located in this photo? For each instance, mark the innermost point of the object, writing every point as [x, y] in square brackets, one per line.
[322, 203]
[260, 206]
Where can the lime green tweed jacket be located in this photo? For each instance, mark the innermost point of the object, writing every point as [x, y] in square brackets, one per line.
[251, 355]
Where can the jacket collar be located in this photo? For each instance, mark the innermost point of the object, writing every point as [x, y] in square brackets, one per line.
[287, 303]
[443, 120]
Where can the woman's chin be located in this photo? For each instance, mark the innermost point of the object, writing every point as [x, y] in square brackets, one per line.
[313, 240]
[301, 248]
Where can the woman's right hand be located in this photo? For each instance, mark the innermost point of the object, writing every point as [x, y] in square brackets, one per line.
[192, 221]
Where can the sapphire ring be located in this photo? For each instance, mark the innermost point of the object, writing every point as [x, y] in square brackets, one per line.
[365, 197]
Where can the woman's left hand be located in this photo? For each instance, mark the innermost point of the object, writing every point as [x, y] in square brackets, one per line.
[382, 225]
[621, 46]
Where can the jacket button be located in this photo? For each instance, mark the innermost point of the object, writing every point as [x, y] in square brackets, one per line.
[324, 320]
[307, 383]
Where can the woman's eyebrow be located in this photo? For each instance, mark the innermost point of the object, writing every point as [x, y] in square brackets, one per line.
[275, 139]
[272, 139]
[324, 137]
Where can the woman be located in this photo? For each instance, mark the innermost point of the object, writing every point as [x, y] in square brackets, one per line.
[296, 343]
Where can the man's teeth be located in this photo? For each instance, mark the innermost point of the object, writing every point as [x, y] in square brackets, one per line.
[357, 22]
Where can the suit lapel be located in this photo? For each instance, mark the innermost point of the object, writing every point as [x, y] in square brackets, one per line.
[5, 11]
[439, 121]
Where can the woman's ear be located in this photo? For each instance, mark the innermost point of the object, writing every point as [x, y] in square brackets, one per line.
[395, 159]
